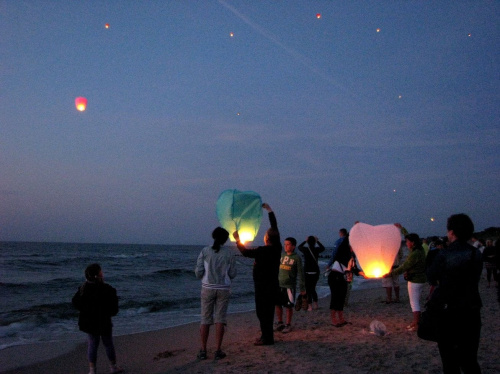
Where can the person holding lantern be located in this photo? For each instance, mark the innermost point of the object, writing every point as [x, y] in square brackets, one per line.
[265, 276]
[393, 282]
[456, 272]
[311, 268]
[341, 254]
[414, 269]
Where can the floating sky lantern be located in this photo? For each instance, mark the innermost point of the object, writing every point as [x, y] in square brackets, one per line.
[81, 103]
[378, 30]
[240, 211]
[106, 25]
[318, 16]
[375, 247]
[231, 34]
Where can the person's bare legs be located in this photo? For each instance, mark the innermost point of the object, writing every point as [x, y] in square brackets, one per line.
[204, 332]
[279, 313]
[388, 291]
[289, 315]
[219, 334]
[396, 292]
[334, 317]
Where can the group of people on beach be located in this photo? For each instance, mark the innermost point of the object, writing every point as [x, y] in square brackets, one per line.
[453, 270]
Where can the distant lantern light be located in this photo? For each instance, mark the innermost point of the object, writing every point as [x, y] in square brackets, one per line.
[81, 103]
[375, 247]
[432, 219]
[378, 30]
[240, 211]
[231, 34]
[318, 15]
[106, 25]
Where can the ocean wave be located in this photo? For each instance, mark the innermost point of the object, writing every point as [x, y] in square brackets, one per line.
[40, 314]
[125, 256]
[175, 272]
[46, 285]
[155, 306]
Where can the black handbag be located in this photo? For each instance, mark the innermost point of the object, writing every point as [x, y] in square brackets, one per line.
[298, 303]
[431, 320]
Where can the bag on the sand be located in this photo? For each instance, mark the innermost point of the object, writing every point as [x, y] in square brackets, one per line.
[298, 303]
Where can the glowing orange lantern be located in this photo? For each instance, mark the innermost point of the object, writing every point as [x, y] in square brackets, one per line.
[375, 247]
[106, 25]
[318, 16]
[81, 103]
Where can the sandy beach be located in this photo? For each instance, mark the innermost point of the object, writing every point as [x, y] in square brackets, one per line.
[314, 345]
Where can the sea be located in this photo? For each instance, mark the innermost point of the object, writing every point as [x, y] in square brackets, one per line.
[156, 287]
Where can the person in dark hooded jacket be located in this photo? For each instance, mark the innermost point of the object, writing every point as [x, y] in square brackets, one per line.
[97, 302]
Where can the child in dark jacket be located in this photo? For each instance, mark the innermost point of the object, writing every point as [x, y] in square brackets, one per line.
[97, 302]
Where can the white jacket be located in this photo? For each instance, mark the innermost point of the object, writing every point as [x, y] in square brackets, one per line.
[216, 269]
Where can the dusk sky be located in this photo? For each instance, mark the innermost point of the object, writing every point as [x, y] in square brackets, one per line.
[377, 111]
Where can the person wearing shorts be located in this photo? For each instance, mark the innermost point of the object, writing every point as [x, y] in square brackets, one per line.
[290, 269]
[393, 281]
[215, 266]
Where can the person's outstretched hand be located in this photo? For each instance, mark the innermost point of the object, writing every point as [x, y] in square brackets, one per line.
[267, 207]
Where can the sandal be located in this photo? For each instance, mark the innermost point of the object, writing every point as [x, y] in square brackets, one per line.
[202, 355]
[219, 355]
[341, 324]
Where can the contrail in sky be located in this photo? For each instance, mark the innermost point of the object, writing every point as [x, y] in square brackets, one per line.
[298, 56]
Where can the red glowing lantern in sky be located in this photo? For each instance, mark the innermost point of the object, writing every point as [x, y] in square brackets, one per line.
[106, 25]
[81, 103]
[318, 16]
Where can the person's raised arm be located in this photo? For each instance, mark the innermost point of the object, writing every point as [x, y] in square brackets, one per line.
[272, 217]
[301, 246]
[321, 246]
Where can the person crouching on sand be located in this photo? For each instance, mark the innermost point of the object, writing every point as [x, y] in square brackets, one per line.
[97, 302]
[215, 266]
